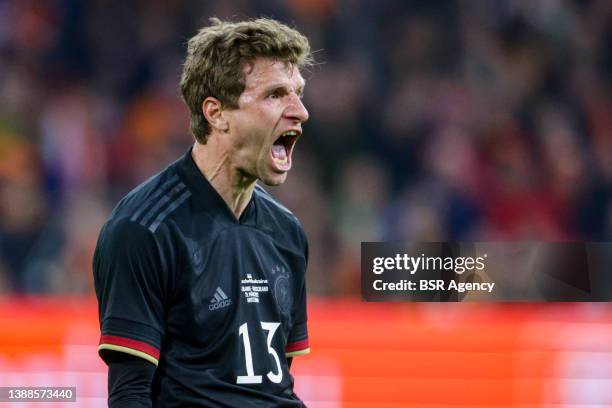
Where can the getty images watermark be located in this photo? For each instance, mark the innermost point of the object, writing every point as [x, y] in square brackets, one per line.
[481, 271]
[414, 264]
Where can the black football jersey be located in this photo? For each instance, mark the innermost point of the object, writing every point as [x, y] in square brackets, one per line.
[217, 303]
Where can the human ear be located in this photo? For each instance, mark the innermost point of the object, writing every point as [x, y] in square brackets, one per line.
[212, 109]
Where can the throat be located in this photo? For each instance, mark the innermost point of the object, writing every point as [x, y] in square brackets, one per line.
[240, 202]
[233, 186]
[237, 192]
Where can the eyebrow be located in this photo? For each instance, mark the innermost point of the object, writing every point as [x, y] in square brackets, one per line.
[299, 90]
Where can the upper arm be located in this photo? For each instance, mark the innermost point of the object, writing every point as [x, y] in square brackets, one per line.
[297, 343]
[131, 289]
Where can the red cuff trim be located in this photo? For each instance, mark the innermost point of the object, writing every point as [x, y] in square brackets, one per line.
[129, 343]
[297, 346]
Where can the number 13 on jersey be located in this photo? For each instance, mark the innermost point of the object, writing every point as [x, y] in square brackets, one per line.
[251, 378]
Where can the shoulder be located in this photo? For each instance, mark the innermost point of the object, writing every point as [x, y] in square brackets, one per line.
[150, 203]
[277, 216]
[124, 241]
[273, 207]
[121, 229]
[128, 248]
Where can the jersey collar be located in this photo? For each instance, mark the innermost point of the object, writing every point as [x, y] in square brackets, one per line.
[207, 198]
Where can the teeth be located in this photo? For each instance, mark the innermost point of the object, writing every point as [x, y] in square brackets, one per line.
[290, 133]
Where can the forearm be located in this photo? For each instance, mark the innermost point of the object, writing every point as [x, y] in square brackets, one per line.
[129, 381]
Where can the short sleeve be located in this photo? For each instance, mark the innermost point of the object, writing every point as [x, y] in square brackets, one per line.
[129, 282]
[297, 342]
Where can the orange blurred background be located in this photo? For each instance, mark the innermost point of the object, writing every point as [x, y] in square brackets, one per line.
[430, 121]
[363, 354]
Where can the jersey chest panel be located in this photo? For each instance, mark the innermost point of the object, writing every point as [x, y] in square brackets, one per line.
[240, 283]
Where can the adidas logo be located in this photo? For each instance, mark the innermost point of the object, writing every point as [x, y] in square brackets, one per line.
[219, 300]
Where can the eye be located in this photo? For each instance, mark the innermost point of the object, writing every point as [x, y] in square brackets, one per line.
[275, 94]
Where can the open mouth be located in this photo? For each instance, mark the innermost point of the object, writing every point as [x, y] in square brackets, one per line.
[282, 148]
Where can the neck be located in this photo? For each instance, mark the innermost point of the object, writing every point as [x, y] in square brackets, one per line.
[234, 187]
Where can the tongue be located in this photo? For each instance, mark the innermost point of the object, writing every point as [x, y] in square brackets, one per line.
[279, 152]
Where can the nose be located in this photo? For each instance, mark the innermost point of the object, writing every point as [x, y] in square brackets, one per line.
[296, 109]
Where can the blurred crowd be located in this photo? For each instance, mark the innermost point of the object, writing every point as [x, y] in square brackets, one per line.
[430, 120]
